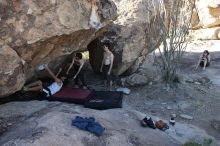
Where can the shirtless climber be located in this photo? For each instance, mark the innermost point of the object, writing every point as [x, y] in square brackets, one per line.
[107, 64]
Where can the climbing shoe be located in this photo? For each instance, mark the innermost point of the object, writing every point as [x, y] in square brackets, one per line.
[147, 121]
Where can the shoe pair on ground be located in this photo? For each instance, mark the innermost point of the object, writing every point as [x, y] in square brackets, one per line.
[147, 121]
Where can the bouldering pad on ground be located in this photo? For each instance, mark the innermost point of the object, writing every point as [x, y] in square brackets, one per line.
[74, 95]
[105, 100]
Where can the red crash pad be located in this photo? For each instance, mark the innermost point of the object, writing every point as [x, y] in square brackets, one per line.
[74, 95]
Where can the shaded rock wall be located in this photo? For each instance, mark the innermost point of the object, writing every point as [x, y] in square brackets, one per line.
[35, 32]
[133, 34]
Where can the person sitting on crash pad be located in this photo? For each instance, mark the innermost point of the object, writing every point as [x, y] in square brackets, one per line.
[204, 60]
[78, 70]
[46, 91]
[107, 64]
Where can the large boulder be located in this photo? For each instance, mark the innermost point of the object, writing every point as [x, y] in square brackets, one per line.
[195, 22]
[206, 34]
[145, 71]
[208, 12]
[206, 20]
[36, 32]
[135, 33]
[11, 71]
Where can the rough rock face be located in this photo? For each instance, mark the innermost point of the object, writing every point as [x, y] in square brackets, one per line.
[36, 32]
[145, 72]
[206, 34]
[132, 35]
[11, 70]
[35, 126]
[206, 20]
[208, 13]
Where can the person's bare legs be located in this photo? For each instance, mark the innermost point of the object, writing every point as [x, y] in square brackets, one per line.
[122, 82]
[110, 85]
[198, 63]
[204, 63]
[35, 86]
[36, 83]
[105, 84]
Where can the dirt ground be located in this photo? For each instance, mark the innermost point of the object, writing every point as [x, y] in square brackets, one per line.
[201, 101]
[198, 99]
[43, 122]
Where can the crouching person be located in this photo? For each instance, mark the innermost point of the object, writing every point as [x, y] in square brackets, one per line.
[46, 91]
[204, 60]
[78, 70]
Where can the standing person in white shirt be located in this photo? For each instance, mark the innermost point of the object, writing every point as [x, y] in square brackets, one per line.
[47, 91]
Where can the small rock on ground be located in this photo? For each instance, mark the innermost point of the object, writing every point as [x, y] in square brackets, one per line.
[187, 117]
[169, 108]
[173, 115]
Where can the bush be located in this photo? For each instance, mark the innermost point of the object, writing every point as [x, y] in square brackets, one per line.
[175, 25]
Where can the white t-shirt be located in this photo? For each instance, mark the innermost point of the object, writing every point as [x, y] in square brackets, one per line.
[54, 88]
